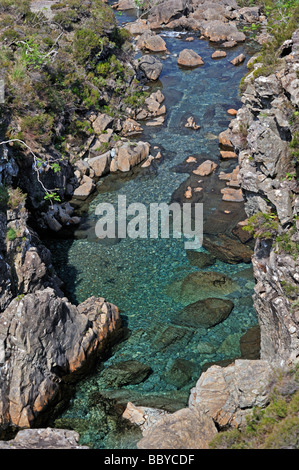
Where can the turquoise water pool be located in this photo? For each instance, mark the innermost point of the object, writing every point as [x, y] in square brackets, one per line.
[135, 274]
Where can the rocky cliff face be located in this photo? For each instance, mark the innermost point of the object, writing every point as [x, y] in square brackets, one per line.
[25, 263]
[264, 132]
[45, 341]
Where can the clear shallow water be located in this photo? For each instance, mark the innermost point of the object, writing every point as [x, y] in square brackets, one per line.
[135, 274]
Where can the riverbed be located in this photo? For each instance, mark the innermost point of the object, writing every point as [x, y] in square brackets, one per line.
[140, 275]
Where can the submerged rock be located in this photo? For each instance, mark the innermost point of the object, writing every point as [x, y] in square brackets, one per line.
[250, 343]
[191, 123]
[125, 373]
[230, 346]
[200, 285]
[167, 401]
[228, 249]
[169, 335]
[180, 372]
[200, 259]
[205, 313]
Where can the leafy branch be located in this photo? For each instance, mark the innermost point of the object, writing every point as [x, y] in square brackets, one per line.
[50, 194]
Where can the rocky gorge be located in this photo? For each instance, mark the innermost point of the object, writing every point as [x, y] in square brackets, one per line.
[40, 359]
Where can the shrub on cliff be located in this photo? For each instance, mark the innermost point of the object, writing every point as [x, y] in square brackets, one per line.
[274, 427]
[53, 69]
[57, 72]
[282, 21]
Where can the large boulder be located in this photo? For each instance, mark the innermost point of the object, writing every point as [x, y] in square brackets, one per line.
[184, 429]
[180, 372]
[100, 164]
[101, 123]
[143, 417]
[168, 401]
[164, 12]
[248, 14]
[189, 58]
[123, 5]
[205, 313]
[201, 284]
[85, 189]
[151, 42]
[125, 373]
[150, 67]
[227, 249]
[168, 336]
[44, 438]
[250, 343]
[129, 155]
[139, 26]
[43, 340]
[200, 259]
[219, 31]
[227, 394]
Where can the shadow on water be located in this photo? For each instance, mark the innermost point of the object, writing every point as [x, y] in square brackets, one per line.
[66, 271]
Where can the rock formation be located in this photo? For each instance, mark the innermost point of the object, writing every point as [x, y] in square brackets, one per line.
[223, 396]
[268, 182]
[44, 339]
[46, 438]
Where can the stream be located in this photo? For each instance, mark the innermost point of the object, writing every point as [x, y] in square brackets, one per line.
[142, 276]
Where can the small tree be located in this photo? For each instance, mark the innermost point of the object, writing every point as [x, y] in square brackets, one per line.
[50, 194]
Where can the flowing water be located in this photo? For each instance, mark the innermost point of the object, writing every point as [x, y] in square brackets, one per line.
[135, 274]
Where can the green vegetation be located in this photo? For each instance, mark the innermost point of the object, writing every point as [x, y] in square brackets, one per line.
[282, 21]
[266, 226]
[16, 198]
[55, 71]
[274, 427]
[263, 226]
[286, 244]
[291, 291]
[11, 198]
[11, 235]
